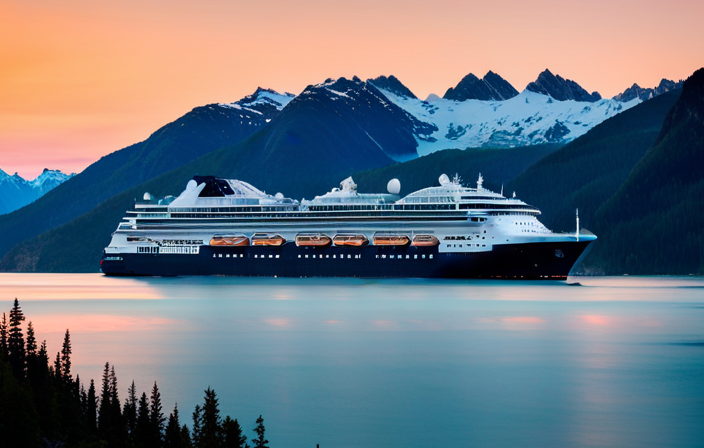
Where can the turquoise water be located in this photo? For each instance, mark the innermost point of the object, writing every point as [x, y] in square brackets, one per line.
[410, 363]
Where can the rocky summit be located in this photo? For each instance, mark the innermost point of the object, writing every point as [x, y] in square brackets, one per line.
[561, 89]
[490, 87]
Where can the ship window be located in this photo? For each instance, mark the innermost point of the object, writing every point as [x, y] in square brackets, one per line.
[219, 255]
[227, 256]
[277, 255]
[271, 256]
[213, 255]
[407, 257]
[377, 256]
[423, 256]
[415, 257]
[299, 256]
[392, 256]
[306, 255]
[349, 256]
[431, 256]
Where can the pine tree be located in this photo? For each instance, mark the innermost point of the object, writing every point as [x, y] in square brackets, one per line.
[156, 416]
[57, 367]
[143, 430]
[129, 410]
[66, 359]
[260, 441]
[197, 424]
[31, 341]
[233, 437]
[104, 418]
[3, 337]
[186, 441]
[15, 342]
[211, 426]
[92, 409]
[172, 436]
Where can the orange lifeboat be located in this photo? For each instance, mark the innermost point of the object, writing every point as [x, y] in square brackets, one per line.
[425, 240]
[350, 240]
[391, 239]
[313, 240]
[229, 240]
[267, 239]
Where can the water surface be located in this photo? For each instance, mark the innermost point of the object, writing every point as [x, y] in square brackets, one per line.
[412, 363]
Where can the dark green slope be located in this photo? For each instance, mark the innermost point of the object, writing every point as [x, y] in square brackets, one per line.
[586, 172]
[304, 151]
[497, 166]
[200, 131]
[655, 220]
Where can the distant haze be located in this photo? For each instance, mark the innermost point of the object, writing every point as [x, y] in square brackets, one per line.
[80, 79]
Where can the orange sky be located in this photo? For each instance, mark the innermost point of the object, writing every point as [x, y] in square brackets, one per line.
[80, 79]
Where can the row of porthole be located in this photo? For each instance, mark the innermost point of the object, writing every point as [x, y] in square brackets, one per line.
[328, 256]
[408, 257]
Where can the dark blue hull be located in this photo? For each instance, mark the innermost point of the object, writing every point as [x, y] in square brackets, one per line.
[527, 261]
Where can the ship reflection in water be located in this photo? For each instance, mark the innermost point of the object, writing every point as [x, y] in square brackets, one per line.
[413, 363]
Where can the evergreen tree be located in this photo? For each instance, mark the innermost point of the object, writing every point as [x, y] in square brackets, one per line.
[129, 411]
[197, 424]
[233, 436]
[104, 418]
[92, 409]
[186, 441]
[57, 367]
[172, 436]
[3, 337]
[156, 416]
[211, 424]
[143, 430]
[31, 341]
[66, 359]
[15, 342]
[260, 441]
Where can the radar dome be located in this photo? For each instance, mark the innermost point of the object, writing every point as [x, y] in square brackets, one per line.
[191, 185]
[444, 180]
[148, 197]
[394, 186]
[279, 196]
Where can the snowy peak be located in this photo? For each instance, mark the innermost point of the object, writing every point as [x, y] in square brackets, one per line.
[50, 179]
[15, 192]
[644, 94]
[491, 87]
[262, 102]
[561, 89]
[391, 84]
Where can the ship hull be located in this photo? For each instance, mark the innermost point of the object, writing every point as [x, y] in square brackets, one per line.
[539, 260]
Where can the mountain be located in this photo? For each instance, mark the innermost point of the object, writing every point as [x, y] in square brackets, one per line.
[391, 84]
[526, 119]
[326, 133]
[561, 89]
[490, 87]
[636, 91]
[198, 132]
[655, 219]
[16, 192]
[586, 172]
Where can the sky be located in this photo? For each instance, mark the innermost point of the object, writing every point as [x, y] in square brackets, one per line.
[80, 79]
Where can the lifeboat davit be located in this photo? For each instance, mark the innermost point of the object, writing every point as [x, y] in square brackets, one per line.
[391, 239]
[350, 240]
[313, 240]
[425, 240]
[267, 239]
[229, 240]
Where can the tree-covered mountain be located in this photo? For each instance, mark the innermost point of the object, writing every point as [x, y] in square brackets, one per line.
[586, 172]
[654, 219]
[200, 131]
[16, 192]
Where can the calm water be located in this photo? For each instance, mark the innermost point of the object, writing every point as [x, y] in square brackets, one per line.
[615, 362]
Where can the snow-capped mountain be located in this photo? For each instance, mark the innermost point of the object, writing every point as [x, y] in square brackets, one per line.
[490, 87]
[16, 192]
[644, 94]
[526, 119]
[262, 102]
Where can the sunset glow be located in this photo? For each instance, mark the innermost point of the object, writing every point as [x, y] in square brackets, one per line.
[81, 79]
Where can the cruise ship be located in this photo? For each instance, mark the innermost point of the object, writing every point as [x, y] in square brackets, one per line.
[229, 227]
